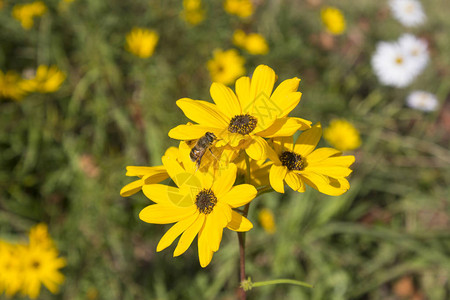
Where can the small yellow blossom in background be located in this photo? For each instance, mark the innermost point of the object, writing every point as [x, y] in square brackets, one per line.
[142, 42]
[26, 12]
[267, 221]
[253, 43]
[46, 80]
[11, 86]
[240, 8]
[333, 19]
[193, 13]
[226, 66]
[25, 267]
[342, 135]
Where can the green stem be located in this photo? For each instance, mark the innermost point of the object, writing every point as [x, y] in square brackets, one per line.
[281, 281]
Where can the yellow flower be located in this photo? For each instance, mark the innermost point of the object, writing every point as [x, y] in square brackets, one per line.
[147, 175]
[40, 265]
[253, 43]
[244, 119]
[46, 80]
[241, 8]
[10, 271]
[267, 221]
[333, 19]
[342, 135]
[11, 85]
[226, 66]
[26, 12]
[39, 236]
[324, 169]
[142, 42]
[199, 204]
[193, 13]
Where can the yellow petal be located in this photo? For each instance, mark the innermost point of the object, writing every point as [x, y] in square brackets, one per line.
[329, 170]
[282, 144]
[225, 99]
[276, 177]
[257, 149]
[243, 91]
[218, 223]
[155, 178]
[293, 180]
[225, 209]
[142, 171]
[239, 223]
[323, 184]
[205, 253]
[179, 175]
[239, 195]
[225, 180]
[189, 235]
[174, 231]
[171, 152]
[343, 161]
[262, 82]
[167, 195]
[132, 188]
[203, 112]
[192, 132]
[308, 140]
[285, 127]
[286, 96]
[322, 153]
[163, 214]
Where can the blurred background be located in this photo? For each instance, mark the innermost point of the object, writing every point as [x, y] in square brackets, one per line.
[64, 147]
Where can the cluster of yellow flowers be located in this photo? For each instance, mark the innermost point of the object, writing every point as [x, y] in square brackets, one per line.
[193, 12]
[253, 43]
[246, 131]
[46, 79]
[240, 8]
[25, 13]
[333, 19]
[25, 267]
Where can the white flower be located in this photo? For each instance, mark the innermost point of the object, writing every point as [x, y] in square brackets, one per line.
[408, 12]
[392, 65]
[422, 101]
[416, 48]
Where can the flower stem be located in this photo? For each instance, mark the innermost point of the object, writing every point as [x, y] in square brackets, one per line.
[278, 281]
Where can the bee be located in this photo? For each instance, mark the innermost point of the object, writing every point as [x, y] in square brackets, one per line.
[201, 146]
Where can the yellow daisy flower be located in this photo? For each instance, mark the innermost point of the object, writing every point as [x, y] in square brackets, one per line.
[193, 13]
[10, 271]
[226, 66]
[11, 86]
[342, 135]
[46, 80]
[333, 19]
[267, 220]
[147, 175]
[253, 43]
[244, 119]
[26, 12]
[324, 169]
[199, 204]
[142, 42]
[240, 8]
[40, 265]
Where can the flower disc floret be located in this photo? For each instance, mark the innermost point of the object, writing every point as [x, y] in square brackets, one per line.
[292, 161]
[205, 201]
[242, 124]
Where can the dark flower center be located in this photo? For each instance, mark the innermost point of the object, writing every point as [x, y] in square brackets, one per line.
[205, 201]
[35, 264]
[242, 124]
[292, 161]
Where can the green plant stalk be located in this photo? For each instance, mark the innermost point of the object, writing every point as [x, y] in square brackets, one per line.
[281, 281]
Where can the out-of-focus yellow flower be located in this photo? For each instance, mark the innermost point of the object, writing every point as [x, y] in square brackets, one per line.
[46, 80]
[193, 13]
[39, 236]
[226, 66]
[253, 43]
[11, 85]
[333, 19]
[342, 135]
[267, 221]
[142, 42]
[10, 276]
[241, 8]
[26, 12]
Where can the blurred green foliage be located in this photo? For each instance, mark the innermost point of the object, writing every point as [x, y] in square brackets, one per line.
[63, 155]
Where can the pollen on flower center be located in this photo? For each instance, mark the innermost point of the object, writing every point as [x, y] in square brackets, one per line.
[242, 124]
[399, 60]
[292, 161]
[205, 201]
